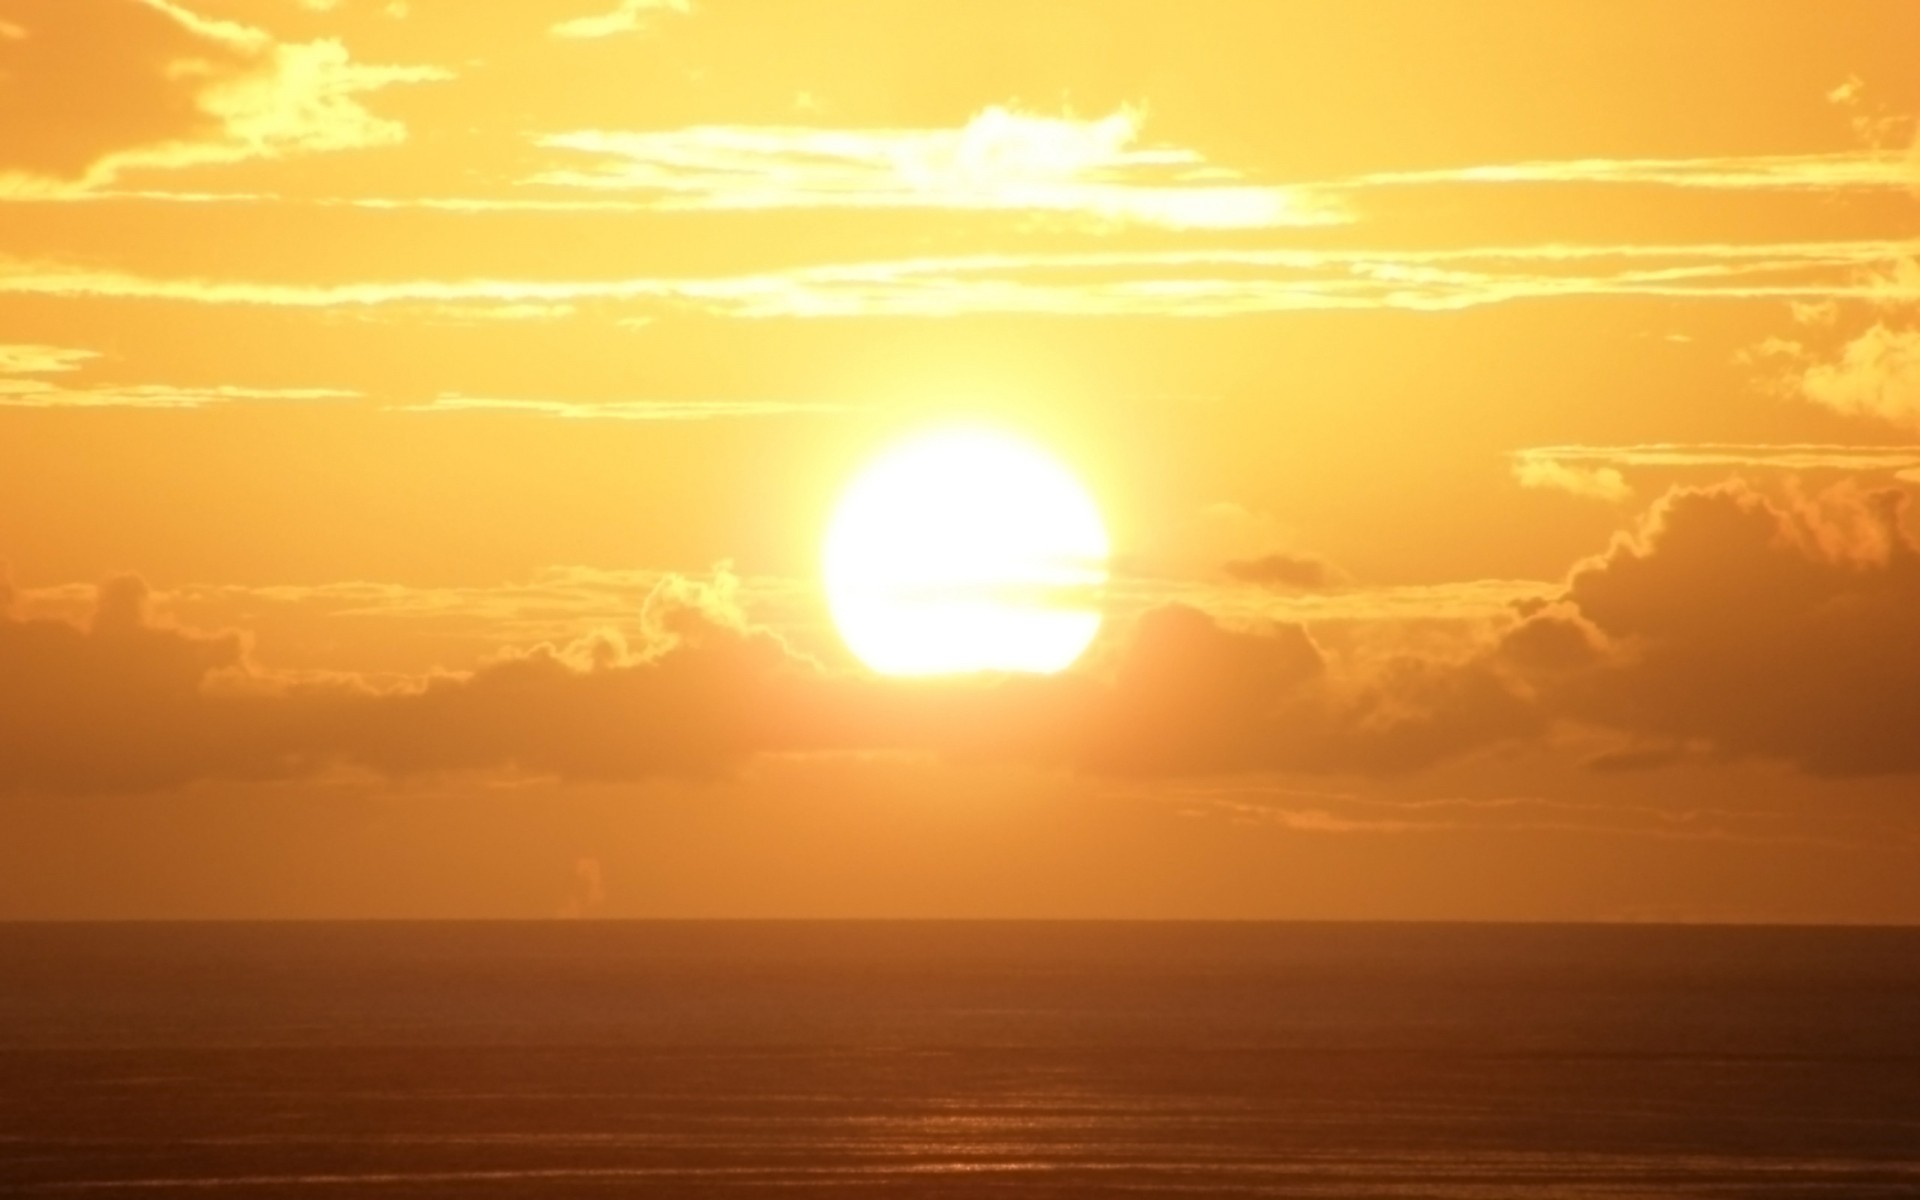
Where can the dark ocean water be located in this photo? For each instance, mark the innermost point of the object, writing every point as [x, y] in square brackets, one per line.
[943, 1060]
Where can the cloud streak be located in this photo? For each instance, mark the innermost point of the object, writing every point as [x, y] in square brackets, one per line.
[1004, 160]
[631, 16]
[1597, 472]
[22, 385]
[630, 410]
[16, 393]
[42, 360]
[1197, 283]
[1861, 170]
[1304, 810]
[1010, 160]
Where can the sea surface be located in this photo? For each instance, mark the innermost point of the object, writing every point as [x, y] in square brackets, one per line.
[957, 1059]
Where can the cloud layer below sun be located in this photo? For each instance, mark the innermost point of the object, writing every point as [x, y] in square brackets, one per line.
[1652, 643]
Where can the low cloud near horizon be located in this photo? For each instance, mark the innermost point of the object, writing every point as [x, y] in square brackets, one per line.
[1728, 623]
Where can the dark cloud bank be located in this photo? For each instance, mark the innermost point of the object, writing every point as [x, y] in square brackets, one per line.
[1729, 624]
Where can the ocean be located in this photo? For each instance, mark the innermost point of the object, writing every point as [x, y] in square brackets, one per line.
[947, 1059]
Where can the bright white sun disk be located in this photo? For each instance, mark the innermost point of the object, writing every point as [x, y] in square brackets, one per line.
[966, 550]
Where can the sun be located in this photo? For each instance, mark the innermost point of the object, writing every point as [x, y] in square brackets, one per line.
[966, 549]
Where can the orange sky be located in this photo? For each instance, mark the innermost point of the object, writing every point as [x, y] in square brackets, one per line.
[418, 420]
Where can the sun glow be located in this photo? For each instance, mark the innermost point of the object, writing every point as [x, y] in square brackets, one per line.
[966, 550]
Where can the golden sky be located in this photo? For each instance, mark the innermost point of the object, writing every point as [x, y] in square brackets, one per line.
[419, 420]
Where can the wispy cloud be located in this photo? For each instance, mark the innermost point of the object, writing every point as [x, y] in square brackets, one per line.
[22, 385]
[1003, 159]
[1228, 282]
[1303, 809]
[42, 360]
[1860, 170]
[454, 204]
[1232, 282]
[18, 393]
[1803, 456]
[1598, 472]
[1008, 159]
[630, 16]
[629, 410]
[1460, 600]
[1196, 283]
[559, 603]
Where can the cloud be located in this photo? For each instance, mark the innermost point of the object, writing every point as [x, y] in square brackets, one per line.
[1003, 159]
[1466, 601]
[128, 704]
[1006, 158]
[630, 410]
[1725, 624]
[630, 17]
[17, 393]
[1799, 457]
[1757, 628]
[1189, 283]
[416, 626]
[1257, 802]
[589, 893]
[112, 706]
[1598, 471]
[1876, 374]
[1592, 482]
[1009, 159]
[149, 84]
[558, 604]
[1874, 124]
[1190, 694]
[1861, 170]
[373, 203]
[1283, 569]
[21, 386]
[42, 360]
[562, 599]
